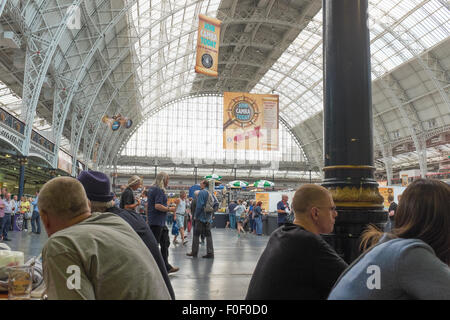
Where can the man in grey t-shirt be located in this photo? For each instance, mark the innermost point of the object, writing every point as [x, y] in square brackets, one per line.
[91, 255]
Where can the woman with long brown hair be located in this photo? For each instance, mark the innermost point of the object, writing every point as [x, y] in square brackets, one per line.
[410, 262]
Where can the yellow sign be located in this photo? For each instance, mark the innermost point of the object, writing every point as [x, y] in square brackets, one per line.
[208, 39]
[385, 192]
[404, 180]
[264, 198]
[250, 121]
[172, 201]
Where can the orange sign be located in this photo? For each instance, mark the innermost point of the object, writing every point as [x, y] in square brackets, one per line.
[385, 192]
[404, 180]
[264, 198]
[250, 121]
[208, 39]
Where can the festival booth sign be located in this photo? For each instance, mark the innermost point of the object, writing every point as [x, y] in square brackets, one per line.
[395, 191]
[207, 59]
[250, 121]
[264, 198]
[404, 180]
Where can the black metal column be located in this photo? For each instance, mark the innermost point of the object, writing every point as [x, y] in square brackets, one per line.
[195, 174]
[23, 161]
[348, 132]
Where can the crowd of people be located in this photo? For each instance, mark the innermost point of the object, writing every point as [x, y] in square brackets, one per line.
[245, 217]
[24, 212]
[87, 225]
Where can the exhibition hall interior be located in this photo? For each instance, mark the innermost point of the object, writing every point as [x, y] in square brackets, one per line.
[224, 150]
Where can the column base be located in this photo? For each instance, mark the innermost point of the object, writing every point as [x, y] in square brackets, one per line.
[350, 224]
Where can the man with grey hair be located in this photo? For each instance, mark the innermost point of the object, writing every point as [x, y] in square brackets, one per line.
[92, 255]
[157, 214]
[127, 199]
[283, 210]
[8, 211]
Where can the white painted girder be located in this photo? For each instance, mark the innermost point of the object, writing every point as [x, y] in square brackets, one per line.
[37, 61]
[2, 6]
[64, 105]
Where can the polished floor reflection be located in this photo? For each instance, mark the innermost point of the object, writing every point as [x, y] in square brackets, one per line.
[226, 277]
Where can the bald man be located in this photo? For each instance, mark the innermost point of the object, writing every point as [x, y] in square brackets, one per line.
[297, 263]
[92, 255]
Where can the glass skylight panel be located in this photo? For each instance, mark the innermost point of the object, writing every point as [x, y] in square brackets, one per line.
[425, 24]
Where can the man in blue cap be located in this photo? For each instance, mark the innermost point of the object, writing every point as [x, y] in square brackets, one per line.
[98, 191]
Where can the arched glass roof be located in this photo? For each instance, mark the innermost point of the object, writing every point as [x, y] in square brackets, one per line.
[191, 129]
[399, 30]
[165, 50]
[136, 57]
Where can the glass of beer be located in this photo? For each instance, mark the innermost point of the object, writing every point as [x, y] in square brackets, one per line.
[20, 282]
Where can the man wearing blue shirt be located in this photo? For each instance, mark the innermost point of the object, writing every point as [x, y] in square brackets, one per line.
[232, 215]
[203, 222]
[35, 219]
[283, 210]
[8, 211]
[157, 213]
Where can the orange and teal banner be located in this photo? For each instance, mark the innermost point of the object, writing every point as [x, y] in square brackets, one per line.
[208, 39]
[250, 121]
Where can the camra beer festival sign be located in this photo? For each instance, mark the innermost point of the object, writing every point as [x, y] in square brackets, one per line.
[250, 121]
[208, 38]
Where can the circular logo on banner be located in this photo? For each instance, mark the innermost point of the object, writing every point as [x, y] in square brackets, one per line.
[115, 125]
[243, 111]
[207, 60]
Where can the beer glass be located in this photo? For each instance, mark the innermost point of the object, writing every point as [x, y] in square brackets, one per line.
[20, 282]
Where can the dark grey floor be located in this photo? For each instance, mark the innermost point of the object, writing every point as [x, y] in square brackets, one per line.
[30, 244]
[223, 278]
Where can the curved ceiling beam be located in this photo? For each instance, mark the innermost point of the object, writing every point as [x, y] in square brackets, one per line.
[64, 101]
[78, 125]
[162, 19]
[39, 54]
[405, 37]
[65, 86]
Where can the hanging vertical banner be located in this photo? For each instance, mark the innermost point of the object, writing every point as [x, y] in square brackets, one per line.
[404, 180]
[208, 38]
[250, 121]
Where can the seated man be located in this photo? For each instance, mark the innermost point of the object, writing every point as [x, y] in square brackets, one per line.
[93, 255]
[297, 263]
[98, 191]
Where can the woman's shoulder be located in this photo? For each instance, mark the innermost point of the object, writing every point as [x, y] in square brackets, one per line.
[393, 250]
[401, 244]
